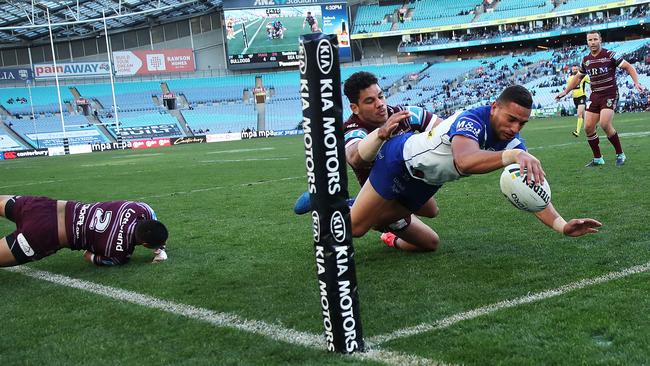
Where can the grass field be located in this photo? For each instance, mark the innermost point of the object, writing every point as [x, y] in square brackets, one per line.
[258, 41]
[240, 284]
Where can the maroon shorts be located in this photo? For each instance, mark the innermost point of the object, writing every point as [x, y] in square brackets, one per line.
[599, 102]
[36, 226]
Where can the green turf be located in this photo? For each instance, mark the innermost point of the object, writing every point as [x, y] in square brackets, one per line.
[237, 247]
[258, 41]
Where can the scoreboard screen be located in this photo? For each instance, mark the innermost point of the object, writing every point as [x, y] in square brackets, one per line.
[267, 36]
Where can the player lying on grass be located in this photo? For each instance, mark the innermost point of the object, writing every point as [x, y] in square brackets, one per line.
[373, 120]
[107, 231]
[410, 168]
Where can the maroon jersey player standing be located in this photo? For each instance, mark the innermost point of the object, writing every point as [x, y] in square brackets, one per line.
[600, 64]
[107, 231]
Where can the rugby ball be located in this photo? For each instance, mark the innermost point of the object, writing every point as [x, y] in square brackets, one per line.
[527, 197]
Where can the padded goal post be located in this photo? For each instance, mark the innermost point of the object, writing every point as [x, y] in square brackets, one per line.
[320, 92]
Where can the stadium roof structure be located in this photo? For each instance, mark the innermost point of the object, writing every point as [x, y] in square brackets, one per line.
[24, 21]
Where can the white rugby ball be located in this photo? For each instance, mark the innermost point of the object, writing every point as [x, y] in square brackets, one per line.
[528, 197]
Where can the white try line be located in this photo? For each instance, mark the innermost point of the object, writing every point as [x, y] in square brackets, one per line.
[240, 150]
[506, 304]
[253, 39]
[219, 319]
[199, 190]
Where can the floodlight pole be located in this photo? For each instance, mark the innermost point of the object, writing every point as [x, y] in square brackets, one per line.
[56, 75]
[110, 69]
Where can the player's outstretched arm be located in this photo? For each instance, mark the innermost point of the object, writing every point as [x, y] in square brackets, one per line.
[570, 86]
[470, 159]
[633, 74]
[575, 227]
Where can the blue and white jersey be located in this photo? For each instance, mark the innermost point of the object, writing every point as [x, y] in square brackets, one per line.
[475, 124]
[428, 156]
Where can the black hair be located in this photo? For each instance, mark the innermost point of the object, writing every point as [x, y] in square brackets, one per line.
[356, 83]
[516, 94]
[151, 232]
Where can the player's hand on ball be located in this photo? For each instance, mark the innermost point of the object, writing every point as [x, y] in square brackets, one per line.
[579, 227]
[531, 167]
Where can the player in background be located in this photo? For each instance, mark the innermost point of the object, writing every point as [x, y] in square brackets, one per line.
[108, 232]
[410, 168]
[373, 122]
[278, 29]
[600, 64]
[269, 30]
[579, 97]
[313, 23]
[230, 28]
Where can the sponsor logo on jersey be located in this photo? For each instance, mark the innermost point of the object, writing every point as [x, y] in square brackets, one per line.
[24, 245]
[468, 126]
[81, 219]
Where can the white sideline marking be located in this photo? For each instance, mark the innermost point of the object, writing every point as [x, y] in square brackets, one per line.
[240, 150]
[242, 160]
[219, 319]
[135, 155]
[253, 39]
[32, 183]
[221, 187]
[602, 138]
[247, 25]
[563, 126]
[506, 304]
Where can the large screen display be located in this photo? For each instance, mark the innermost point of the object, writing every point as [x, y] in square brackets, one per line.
[267, 36]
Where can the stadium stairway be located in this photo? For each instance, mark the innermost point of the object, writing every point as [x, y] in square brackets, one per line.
[156, 100]
[100, 126]
[181, 120]
[182, 101]
[9, 131]
[97, 105]
[75, 92]
[4, 112]
[165, 88]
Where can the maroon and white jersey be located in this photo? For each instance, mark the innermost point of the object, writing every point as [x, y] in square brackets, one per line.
[355, 130]
[105, 228]
[602, 71]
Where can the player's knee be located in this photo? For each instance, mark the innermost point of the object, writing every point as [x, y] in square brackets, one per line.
[359, 230]
[432, 211]
[429, 210]
[432, 243]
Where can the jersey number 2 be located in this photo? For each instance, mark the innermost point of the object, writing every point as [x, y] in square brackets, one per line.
[101, 220]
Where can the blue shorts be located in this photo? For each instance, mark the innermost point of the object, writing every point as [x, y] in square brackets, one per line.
[391, 179]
